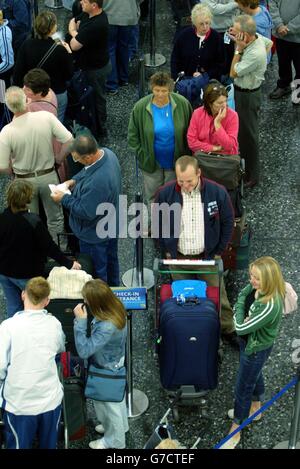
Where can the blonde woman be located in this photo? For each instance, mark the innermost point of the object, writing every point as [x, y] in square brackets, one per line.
[105, 348]
[257, 318]
[198, 49]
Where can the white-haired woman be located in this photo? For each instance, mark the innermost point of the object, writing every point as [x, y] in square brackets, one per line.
[198, 49]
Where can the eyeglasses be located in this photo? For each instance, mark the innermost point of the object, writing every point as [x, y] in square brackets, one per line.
[219, 87]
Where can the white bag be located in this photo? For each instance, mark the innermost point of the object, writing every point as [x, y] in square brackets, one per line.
[290, 299]
[67, 283]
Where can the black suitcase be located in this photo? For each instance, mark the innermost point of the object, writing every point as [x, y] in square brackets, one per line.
[74, 410]
[189, 335]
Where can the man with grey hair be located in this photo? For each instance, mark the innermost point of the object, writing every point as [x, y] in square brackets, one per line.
[26, 148]
[247, 69]
[93, 205]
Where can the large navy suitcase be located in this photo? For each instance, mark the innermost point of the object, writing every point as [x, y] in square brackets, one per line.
[188, 344]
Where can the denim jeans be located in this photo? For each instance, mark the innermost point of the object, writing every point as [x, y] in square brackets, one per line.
[12, 288]
[113, 416]
[105, 260]
[250, 383]
[62, 101]
[118, 42]
[133, 45]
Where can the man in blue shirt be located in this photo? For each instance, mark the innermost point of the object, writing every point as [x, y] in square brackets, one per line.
[93, 205]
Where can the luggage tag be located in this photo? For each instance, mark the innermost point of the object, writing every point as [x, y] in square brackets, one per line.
[227, 38]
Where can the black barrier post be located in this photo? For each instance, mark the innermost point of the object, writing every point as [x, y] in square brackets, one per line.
[137, 401]
[153, 59]
[295, 428]
[53, 4]
[141, 73]
[293, 442]
[139, 251]
[139, 276]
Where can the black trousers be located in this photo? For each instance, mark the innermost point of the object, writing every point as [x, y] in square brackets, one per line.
[288, 55]
[97, 79]
[247, 105]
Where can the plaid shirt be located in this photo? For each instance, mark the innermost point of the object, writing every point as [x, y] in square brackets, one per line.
[191, 238]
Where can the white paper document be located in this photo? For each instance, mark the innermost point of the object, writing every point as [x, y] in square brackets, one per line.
[59, 187]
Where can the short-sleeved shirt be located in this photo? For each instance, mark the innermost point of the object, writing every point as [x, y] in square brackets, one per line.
[93, 35]
[253, 64]
[28, 142]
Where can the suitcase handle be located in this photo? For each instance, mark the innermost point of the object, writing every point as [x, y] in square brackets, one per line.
[162, 266]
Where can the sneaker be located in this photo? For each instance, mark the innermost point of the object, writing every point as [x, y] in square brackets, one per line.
[280, 92]
[97, 444]
[230, 414]
[100, 429]
[123, 83]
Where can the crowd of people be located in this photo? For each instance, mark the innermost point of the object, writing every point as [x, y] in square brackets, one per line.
[227, 44]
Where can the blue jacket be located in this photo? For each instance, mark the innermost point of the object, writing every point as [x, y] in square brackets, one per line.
[19, 16]
[218, 217]
[6, 50]
[98, 184]
[105, 347]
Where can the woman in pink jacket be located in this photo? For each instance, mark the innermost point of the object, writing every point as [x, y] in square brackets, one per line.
[214, 126]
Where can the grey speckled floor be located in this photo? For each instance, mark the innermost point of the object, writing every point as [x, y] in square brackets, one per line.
[273, 211]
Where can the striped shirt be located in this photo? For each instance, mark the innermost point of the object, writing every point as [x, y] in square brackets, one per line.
[191, 238]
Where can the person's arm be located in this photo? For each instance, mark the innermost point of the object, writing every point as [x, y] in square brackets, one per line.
[194, 142]
[64, 151]
[275, 13]
[85, 206]
[87, 346]
[61, 339]
[73, 31]
[226, 133]
[133, 135]
[6, 51]
[5, 152]
[239, 307]
[5, 346]
[21, 15]
[260, 315]
[218, 8]
[294, 25]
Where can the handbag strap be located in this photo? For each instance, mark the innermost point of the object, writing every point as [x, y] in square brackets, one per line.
[46, 56]
[48, 102]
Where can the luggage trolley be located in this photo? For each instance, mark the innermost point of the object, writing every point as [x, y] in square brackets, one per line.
[192, 391]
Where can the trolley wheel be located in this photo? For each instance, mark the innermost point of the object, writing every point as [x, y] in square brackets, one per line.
[175, 414]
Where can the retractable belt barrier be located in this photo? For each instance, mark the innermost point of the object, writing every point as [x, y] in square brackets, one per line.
[295, 419]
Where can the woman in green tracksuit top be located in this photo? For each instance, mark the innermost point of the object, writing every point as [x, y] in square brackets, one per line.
[257, 318]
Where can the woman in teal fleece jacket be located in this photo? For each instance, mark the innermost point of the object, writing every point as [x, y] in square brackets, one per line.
[257, 318]
[157, 132]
